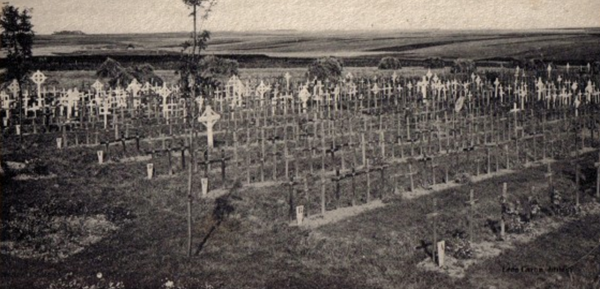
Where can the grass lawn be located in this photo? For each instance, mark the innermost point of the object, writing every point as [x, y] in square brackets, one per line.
[242, 240]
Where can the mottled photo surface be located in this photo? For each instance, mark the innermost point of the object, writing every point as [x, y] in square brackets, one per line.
[299, 144]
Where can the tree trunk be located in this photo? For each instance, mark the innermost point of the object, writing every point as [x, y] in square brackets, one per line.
[20, 113]
[191, 144]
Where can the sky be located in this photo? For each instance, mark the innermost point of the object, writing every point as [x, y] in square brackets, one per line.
[150, 16]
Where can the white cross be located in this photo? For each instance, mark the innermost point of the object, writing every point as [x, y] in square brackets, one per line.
[304, 96]
[98, 86]
[287, 80]
[349, 76]
[375, 89]
[208, 119]
[134, 87]
[14, 87]
[262, 89]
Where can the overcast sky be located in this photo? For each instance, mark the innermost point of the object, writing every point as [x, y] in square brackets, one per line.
[126, 16]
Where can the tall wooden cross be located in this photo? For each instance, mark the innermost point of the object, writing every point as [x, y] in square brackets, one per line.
[503, 205]
[471, 204]
[433, 215]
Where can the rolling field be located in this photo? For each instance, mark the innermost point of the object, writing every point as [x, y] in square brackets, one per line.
[296, 49]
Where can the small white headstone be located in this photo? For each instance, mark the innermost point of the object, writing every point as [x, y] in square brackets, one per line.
[150, 169]
[59, 142]
[100, 156]
[204, 182]
[18, 129]
[441, 251]
[300, 214]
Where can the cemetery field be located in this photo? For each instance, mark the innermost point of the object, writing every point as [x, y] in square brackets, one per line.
[405, 179]
[143, 227]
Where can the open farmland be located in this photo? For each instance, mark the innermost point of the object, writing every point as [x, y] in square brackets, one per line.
[296, 49]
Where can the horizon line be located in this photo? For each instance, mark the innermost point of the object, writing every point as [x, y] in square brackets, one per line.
[336, 30]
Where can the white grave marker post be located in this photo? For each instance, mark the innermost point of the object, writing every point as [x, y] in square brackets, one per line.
[98, 86]
[208, 119]
[105, 110]
[150, 170]
[5, 100]
[100, 154]
[204, 182]
[441, 251]
[164, 92]
[14, 88]
[39, 78]
[261, 90]
[59, 142]
[299, 214]
[18, 129]
[287, 81]
[304, 95]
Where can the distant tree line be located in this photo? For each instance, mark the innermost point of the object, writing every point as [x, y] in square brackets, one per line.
[68, 32]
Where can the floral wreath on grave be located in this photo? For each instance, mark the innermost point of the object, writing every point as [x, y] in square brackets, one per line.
[458, 245]
[516, 223]
[562, 207]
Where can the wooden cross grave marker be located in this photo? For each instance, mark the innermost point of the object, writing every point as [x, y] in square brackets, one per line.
[471, 204]
[433, 215]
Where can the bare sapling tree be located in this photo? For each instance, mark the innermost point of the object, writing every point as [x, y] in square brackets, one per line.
[190, 85]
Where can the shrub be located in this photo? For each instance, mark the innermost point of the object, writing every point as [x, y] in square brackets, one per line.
[434, 62]
[463, 66]
[327, 68]
[536, 65]
[389, 63]
[110, 68]
[217, 68]
[120, 76]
